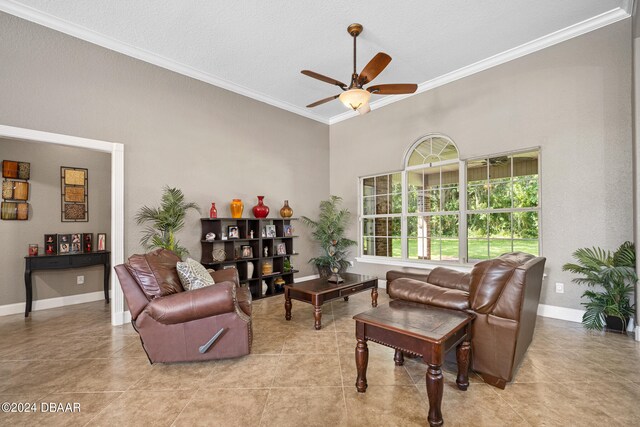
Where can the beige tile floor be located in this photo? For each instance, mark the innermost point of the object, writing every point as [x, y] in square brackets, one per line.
[297, 376]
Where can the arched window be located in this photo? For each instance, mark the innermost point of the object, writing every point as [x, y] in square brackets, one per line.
[440, 208]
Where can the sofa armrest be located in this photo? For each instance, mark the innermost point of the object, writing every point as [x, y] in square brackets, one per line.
[193, 305]
[243, 295]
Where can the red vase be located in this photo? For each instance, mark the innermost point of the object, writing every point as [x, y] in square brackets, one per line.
[260, 210]
[213, 212]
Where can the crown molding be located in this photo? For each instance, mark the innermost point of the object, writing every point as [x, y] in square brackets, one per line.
[559, 36]
[77, 31]
[47, 20]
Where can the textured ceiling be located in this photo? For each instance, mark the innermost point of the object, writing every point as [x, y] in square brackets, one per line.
[258, 48]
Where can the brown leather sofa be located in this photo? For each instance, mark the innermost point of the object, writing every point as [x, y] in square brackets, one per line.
[502, 292]
[174, 323]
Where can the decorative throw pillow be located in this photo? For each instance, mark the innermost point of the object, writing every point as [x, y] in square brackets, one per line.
[193, 275]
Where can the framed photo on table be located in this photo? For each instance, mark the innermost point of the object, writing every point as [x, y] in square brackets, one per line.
[270, 231]
[102, 242]
[234, 232]
[281, 249]
[246, 251]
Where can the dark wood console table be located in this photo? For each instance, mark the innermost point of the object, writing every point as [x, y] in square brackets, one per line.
[55, 262]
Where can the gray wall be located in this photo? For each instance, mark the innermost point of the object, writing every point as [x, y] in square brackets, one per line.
[44, 218]
[213, 144]
[573, 100]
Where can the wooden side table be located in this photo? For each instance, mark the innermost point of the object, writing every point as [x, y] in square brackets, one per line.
[420, 330]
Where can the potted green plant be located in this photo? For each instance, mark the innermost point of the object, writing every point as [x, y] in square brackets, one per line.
[612, 272]
[329, 231]
[165, 221]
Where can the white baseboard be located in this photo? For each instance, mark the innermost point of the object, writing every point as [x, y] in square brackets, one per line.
[573, 315]
[120, 318]
[44, 304]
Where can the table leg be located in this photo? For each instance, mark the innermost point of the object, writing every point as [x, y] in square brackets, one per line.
[398, 358]
[287, 304]
[362, 360]
[346, 298]
[463, 352]
[317, 316]
[374, 297]
[107, 270]
[29, 290]
[435, 388]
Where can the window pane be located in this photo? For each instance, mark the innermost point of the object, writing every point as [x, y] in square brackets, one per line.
[432, 200]
[500, 193]
[525, 225]
[396, 183]
[369, 206]
[368, 187]
[478, 196]
[382, 184]
[367, 246]
[381, 226]
[498, 247]
[396, 203]
[382, 205]
[367, 227]
[450, 198]
[528, 246]
[477, 225]
[412, 226]
[434, 228]
[499, 167]
[500, 225]
[449, 226]
[477, 249]
[396, 247]
[395, 227]
[381, 246]
[414, 181]
[450, 249]
[413, 248]
[525, 164]
[525, 191]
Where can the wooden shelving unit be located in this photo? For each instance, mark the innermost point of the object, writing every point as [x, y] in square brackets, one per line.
[233, 251]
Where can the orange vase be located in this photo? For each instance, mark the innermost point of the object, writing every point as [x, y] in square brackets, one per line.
[236, 208]
[286, 211]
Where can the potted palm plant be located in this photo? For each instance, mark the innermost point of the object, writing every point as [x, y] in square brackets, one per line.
[329, 231]
[165, 221]
[615, 276]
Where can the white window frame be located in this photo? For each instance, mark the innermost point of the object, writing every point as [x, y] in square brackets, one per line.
[463, 262]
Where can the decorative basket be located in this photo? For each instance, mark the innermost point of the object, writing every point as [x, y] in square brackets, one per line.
[218, 255]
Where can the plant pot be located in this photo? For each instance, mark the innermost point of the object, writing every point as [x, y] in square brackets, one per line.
[615, 324]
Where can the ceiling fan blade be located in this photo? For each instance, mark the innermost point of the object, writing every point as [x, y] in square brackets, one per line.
[322, 101]
[374, 67]
[393, 89]
[323, 78]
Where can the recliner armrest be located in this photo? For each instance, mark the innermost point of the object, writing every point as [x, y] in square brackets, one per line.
[197, 304]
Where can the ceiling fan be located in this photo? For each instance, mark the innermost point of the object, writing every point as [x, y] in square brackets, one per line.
[355, 96]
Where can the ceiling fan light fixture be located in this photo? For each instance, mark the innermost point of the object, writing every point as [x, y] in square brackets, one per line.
[364, 109]
[355, 98]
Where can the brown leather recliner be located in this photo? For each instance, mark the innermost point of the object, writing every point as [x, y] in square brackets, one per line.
[173, 324]
[503, 293]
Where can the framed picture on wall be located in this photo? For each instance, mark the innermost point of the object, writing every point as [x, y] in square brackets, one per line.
[102, 242]
[74, 187]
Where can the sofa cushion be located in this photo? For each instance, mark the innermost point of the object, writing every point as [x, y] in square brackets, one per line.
[488, 279]
[427, 293]
[193, 275]
[449, 278]
[155, 273]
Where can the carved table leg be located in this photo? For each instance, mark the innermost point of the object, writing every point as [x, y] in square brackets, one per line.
[374, 297]
[29, 291]
[435, 388]
[398, 358]
[346, 298]
[107, 270]
[317, 316]
[362, 360]
[462, 355]
[287, 305]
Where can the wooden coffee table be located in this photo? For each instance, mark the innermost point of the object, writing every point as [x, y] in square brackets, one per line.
[318, 291]
[419, 330]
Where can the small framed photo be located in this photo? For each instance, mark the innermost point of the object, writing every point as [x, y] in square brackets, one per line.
[76, 248]
[76, 238]
[102, 242]
[233, 232]
[281, 249]
[50, 244]
[64, 247]
[247, 251]
[87, 242]
[270, 231]
[288, 230]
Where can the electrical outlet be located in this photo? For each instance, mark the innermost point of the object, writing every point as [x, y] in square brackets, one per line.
[559, 288]
[80, 280]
